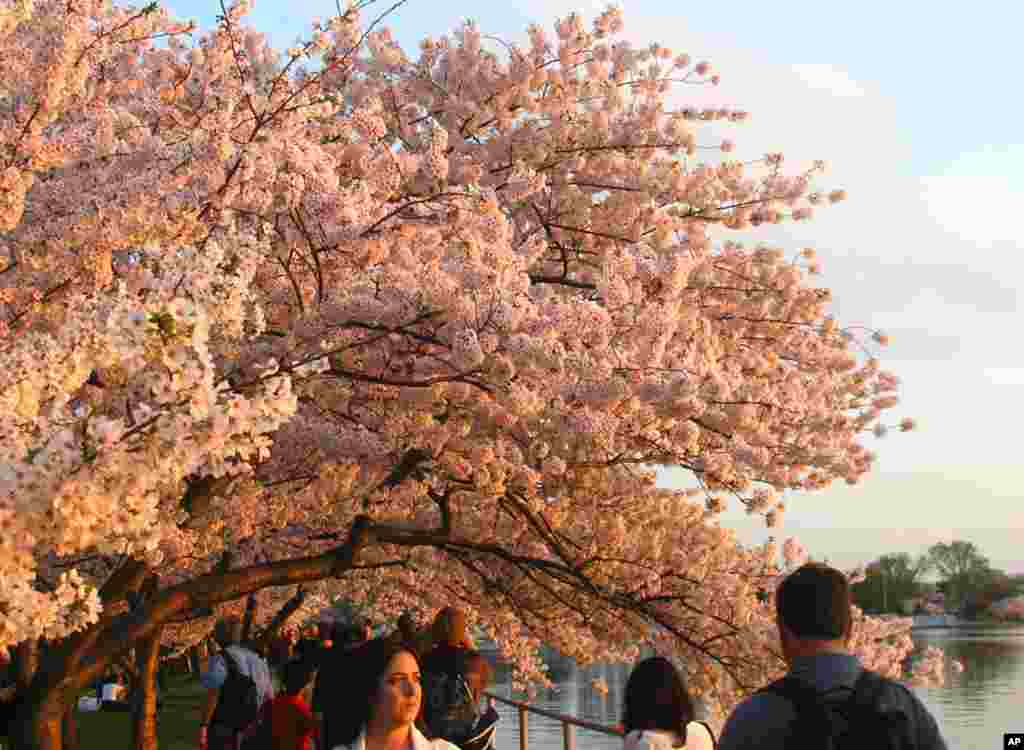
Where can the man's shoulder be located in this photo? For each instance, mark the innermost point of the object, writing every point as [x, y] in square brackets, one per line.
[763, 702]
[757, 721]
[890, 693]
[248, 661]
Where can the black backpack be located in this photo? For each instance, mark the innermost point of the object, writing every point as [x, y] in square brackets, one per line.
[450, 710]
[238, 703]
[825, 722]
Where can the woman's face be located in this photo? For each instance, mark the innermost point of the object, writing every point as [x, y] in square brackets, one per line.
[399, 693]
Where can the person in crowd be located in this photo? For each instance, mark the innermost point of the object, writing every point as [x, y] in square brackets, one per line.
[451, 643]
[307, 646]
[278, 655]
[287, 718]
[113, 692]
[450, 710]
[230, 710]
[409, 632]
[826, 690]
[449, 629]
[406, 627]
[333, 689]
[332, 636]
[479, 676]
[327, 630]
[658, 713]
[386, 703]
[314, 655]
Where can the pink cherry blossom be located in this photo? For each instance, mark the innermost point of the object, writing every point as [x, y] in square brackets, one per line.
[483, 293]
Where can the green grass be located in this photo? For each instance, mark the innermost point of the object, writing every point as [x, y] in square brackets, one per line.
[177, 721]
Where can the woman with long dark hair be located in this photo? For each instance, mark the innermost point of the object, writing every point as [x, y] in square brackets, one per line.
[658, 712]
[386, 702]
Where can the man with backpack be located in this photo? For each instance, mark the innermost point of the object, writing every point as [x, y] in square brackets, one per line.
[238, 683]
[827, 700]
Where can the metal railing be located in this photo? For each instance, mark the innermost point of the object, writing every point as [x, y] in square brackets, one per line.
[569, 723]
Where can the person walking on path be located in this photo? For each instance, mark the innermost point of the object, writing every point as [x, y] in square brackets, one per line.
[387, 701]
[238, 683]
[287, 718]
[658, 712]
[827, 699]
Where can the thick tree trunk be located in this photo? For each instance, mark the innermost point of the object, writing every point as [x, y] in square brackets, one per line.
[83, 658]
[39, 723]
[26, 661]
[143, 698]
[70, 726]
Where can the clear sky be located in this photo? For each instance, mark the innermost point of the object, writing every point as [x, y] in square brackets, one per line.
[912, 106]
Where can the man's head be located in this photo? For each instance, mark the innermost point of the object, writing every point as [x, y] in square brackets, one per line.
[297, 675]
[812, 607]
[327, 630]
[228, 631]
[407, 626]
[362, 629]
[479, 673]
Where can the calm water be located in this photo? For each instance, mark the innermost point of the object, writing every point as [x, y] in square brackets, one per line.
[974, 709]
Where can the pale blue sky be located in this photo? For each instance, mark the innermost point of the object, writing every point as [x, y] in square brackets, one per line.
[912, 105]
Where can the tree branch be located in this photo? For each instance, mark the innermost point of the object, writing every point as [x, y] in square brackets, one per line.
[217, 587]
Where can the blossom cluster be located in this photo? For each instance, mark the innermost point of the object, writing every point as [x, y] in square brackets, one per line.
[491, 289]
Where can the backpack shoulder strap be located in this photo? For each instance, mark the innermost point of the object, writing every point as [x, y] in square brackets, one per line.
[234, 664]
[813, 709]
[229, 661]
[792, 689]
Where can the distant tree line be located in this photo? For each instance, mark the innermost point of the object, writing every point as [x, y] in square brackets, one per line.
[970, 585]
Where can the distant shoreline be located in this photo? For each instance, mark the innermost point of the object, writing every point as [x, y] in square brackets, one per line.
[952, 622]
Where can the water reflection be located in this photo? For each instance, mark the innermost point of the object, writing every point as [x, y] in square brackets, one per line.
[974, 709]
[574, 695]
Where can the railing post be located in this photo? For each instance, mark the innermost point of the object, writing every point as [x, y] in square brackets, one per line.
[568, 736]
[524, 743]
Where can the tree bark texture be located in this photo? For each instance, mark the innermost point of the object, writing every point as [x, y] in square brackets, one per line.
[251, 608]
[289, 608]
[26, 661]
[84, 657]
[143, 698]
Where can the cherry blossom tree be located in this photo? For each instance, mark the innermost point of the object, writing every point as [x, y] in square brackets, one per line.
[411, 327]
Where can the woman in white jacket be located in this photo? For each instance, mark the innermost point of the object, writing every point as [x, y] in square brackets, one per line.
[388, 702]
[658, 712]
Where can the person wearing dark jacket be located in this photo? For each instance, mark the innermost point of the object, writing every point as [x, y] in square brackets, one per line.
[214, 735]
[448, 711]
[332, 688]
[815, 623]
[451, 644]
